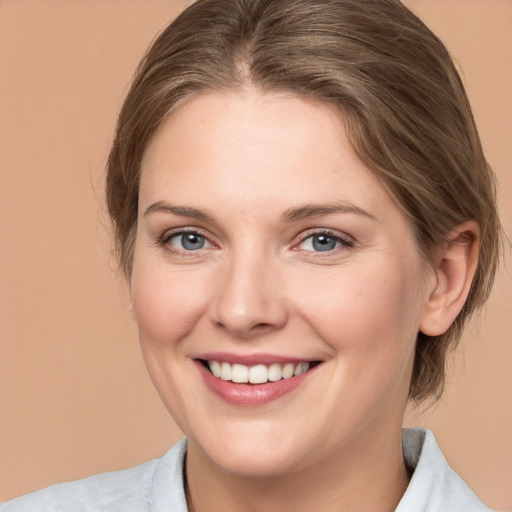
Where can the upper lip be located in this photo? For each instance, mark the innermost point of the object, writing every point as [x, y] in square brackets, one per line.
[251, 359]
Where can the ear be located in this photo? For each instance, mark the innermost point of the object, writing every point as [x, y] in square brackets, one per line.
[453, 274]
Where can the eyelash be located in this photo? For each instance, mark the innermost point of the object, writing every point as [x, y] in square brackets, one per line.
[165, 241]
[344, 242]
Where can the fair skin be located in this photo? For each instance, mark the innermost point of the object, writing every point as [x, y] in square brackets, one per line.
[262, 239]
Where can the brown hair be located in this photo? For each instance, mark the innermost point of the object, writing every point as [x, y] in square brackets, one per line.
[403, 103]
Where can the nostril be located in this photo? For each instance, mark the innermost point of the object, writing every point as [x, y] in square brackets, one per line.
[248, 314]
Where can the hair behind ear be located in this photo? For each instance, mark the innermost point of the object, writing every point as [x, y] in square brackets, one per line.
[455, 266]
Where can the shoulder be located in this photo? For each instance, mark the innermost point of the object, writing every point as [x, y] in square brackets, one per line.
[434, 486]
[129, 490]
[117, 490]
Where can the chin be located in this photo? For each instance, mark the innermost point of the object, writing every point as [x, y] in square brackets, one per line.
[257, 463]
[254, 454]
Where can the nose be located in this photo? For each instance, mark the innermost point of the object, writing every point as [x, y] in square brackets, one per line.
[250, 302]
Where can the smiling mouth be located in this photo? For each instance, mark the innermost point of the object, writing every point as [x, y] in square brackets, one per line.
[256, 374]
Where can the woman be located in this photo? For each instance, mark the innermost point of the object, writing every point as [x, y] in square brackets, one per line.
[307, 221]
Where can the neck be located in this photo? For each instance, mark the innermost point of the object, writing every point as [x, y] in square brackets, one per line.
[369, 475]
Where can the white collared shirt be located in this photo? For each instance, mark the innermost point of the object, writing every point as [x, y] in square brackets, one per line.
[157, 486]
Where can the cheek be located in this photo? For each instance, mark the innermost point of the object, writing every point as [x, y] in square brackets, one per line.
[370, 307]
[166, 305]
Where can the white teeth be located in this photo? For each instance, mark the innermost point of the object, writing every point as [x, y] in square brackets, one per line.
[301, 368]
[214, 368]
[258, 374]
[225, 371]
[288, 370]
[274, 372]
[239, 373]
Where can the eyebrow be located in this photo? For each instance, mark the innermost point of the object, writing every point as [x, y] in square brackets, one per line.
[314, 210]
[290, 215]
[182, 211]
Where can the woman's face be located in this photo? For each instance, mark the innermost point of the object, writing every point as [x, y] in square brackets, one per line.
[264, 248]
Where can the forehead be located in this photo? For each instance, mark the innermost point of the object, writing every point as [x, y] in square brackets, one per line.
[275, 150]
[246, 121]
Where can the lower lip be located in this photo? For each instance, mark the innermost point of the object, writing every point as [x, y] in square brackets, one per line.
[251, 395]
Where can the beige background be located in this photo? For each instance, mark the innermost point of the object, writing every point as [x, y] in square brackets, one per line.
[74, 395]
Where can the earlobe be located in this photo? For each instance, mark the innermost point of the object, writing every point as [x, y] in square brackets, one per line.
[454, 272]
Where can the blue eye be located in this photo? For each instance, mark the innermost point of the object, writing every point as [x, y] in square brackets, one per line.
[322, 242]
[188, 241]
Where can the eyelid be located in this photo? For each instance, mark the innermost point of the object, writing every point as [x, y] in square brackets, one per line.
[346, 241]
[164, 239]
[176, 236]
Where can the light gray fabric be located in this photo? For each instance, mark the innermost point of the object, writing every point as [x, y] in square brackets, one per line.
[157, 486]
[434, 486]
